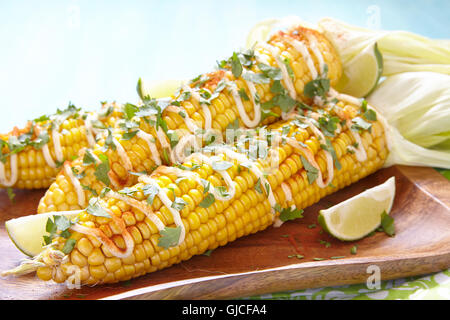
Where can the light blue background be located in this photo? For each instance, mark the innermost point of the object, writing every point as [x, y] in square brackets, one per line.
[53, 52]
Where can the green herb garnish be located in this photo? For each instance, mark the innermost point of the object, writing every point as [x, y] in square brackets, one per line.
[169, 237]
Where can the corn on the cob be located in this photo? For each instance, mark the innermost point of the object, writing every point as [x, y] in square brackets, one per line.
[251, 96]
[176, 213]
[32, 157]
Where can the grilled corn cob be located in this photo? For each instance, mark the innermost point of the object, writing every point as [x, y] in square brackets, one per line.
[217, 196]
[32, 157]
[251, 88]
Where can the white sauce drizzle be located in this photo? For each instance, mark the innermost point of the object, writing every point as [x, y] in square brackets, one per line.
[241, 158]
[225, 175]
[288, 194]
[91, 132]
[149, 139]
[360, 152]
[192, 126]
[123, 155]
[301, 48]
[76, 183]
[205, 107]
[147, 210]
[240, 106]
[329, 158]
[47, 156]
[14, 172]
[315, 48]
[168, 203]
[108, 243]
[286, 78]
[57, 144]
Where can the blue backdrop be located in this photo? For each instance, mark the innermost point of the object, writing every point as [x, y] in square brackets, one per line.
[53, 52]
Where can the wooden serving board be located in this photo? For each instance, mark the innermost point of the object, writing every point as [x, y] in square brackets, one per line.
[259, 263]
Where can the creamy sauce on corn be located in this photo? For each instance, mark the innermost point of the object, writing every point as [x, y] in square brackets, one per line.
[76, 183]
[146, 209]
[14, 172]
[107, 242]
[168, 203]
[360, 152]
[329, 158]
[149, 139]
[57, 144]
[123, 155]
[301, 48]
[315, 49]
[286, 78]
[243, 114]
[205, 108]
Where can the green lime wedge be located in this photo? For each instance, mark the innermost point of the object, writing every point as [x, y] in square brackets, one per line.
[158, 89]
[27, 232]
[362, 73]
[360, 215]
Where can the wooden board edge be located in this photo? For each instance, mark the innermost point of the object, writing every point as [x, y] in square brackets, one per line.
[429, 181]
[300, 276]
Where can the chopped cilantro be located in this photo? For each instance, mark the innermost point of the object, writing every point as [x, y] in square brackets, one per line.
[258, 78]
[243, 94]
[221, 165]
[11, 194]
[150, 191]
[95, 209]
[311, 171]
[317, 87]
[290, 214]
[387, 222]
[130, 110]
[222, 191]
[169, 237]
[270, 72]
[129, 135]
[207, 201]
[178, 204]
[361, 124]
[102, 170]
[236, 66]
[68, 246]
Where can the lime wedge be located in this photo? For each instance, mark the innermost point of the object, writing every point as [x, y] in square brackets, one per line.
[356, 217]
[27, 232]
[158, 89]
[260, 32]
[362, 73]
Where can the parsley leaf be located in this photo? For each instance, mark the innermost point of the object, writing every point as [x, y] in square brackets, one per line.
[88, 157]
[221, 165]
[11, 194]
[387, 223]
[130, 110]
[95, 209]
[317, 87]
[207, 201]
[169, 237]
[102, 170]
[290, 214]
[270, 72]
[311, 171]
[150, 191]
[68, 246]
[361, 124]
[178, 204]
[236, 66]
